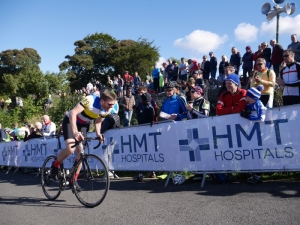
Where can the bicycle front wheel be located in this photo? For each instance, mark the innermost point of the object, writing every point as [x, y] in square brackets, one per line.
[51, 188]
[93, 181]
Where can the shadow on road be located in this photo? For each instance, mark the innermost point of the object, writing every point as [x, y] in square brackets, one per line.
[281, 189]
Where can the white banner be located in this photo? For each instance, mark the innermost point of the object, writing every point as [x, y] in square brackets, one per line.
[223, 143]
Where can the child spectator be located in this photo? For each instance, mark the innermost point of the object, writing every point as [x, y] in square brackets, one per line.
[254, 104]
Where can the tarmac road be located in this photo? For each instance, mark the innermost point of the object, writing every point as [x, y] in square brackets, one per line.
[128, 202]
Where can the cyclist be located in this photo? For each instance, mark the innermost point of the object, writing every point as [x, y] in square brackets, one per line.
[76, 122]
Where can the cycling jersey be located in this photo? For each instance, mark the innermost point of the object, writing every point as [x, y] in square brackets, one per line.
[92, 110]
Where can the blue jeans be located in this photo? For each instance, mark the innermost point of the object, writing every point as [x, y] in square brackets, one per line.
[213, 74]
[127, 118]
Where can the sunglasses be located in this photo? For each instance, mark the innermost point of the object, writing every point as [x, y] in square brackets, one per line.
[285, 55]
[110, 104]
[259, 64]
[192, 92]
[168, 90]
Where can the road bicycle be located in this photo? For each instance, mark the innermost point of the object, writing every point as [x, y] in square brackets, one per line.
[93, 179]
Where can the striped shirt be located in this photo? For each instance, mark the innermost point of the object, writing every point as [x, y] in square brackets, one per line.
[92, 110]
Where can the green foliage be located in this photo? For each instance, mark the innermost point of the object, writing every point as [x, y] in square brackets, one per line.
[62, 105]
[101, 54]
[13, 61]
[20, 115]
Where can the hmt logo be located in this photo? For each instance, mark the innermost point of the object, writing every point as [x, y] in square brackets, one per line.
[193, 144]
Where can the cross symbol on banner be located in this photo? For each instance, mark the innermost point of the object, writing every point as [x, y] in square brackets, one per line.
[26, 153]
[111, 148]
[193, 144]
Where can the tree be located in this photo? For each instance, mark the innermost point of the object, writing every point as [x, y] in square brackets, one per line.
[101, 54]
[129, 55]
[89, 60]
[12, 61]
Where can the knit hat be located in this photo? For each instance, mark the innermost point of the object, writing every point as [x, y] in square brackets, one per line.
[198, 90]
[233, 78]
[146, 97]
[255, 92]
[249, 47]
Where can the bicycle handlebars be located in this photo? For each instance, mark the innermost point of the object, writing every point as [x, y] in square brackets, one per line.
[88, 138]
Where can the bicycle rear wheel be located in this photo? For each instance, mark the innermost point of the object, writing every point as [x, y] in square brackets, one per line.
[51, 188]
[93, 181]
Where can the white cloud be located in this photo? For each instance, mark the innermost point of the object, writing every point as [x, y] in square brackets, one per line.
[287, 25]
[160, 62]
[245, 32]
[200, 42]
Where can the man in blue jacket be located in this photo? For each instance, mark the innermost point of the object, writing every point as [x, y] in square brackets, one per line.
[173, 106]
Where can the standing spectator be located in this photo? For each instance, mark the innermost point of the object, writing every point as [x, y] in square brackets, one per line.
[205, 65]
[165, 72]
[175, 71]
[139, 106]
[120, 86]
[256, 55]
[109, 82]
[290, 79]
[266, 54]
[193, 65]
[19, 102]
[49, 128]
[115, 84]
[228, 70]
[247, 64]
[213, 63]
[235, 60]
[234, 99]
[161, 82]
[2, 104]
[127, 102]
[136, 80]
[89, 87]
[295, 46]
[96, 91]
[128, 81]
[277, 57]
[170, 69]
[173, 105]
[223, 64]
[98, 84]
[155, 76]
[183, 70]
[2, 134]
[266, 77]
[146, 114]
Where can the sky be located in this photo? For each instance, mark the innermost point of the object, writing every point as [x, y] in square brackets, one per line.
[187, 29]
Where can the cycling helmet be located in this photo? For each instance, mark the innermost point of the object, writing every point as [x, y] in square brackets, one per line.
[178, 179]
[176, 85]
[170, 84]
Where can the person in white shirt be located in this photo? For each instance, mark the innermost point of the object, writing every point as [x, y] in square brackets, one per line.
[183, 67]
[49, 128]
[89, 86]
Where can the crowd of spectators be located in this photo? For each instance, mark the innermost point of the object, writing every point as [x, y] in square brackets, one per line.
[186, 86]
